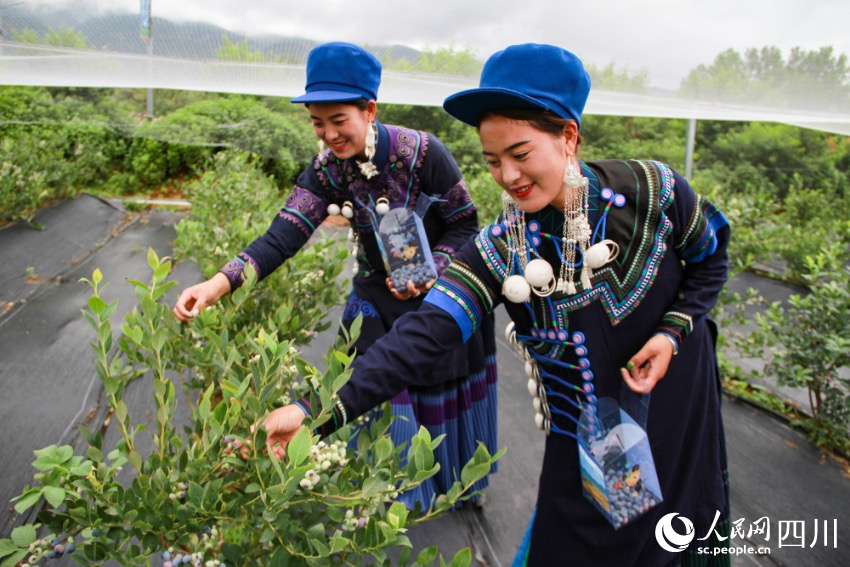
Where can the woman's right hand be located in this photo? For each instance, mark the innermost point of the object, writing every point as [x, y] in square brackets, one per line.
[195, 298]
[282, 424]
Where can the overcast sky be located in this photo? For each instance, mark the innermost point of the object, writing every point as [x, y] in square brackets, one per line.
[666, 37]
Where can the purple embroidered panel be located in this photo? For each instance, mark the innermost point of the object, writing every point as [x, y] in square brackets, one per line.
[398, 181]
[235, 270]
[304, 209]
[357, 306]
[458, 203]
[442, 260]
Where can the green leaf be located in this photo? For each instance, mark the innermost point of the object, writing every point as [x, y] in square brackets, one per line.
[27, 500]
[54, 495]
[121, 411]
[196, 494]
[14, 559]
[299, 448]
[22, 536]
[373, 486]
[383, 448]
[427, 555]
[397, 515]
[7, 547]
[338, 544]
[135, 459]
[462, 558]
[153, 259]
[96, 304]
[472, 474]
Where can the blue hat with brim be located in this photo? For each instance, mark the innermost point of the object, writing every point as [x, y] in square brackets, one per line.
[340, 72]
[529, 75]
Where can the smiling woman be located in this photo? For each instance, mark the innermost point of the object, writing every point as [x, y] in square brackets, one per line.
[608, 270]
[370, 172]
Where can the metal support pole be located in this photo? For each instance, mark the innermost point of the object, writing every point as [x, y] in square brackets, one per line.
[689, 150]
[150, 79]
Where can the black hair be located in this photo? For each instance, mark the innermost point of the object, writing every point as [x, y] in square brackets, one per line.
[360, 103]
[543, 120]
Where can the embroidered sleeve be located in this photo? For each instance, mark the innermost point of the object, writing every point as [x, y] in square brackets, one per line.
[304, 210]
[700, 237]
[461, 293]
[442, 178]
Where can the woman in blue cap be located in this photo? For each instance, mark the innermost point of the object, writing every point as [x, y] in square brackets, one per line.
[372, 171]
[608, 270]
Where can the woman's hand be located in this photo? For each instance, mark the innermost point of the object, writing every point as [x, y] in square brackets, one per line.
[649, 365]
[199, 296]
[282, 424]
[410, 291]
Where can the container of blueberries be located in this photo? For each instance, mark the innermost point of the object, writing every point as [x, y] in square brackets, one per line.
[617, 469]
[404, 247]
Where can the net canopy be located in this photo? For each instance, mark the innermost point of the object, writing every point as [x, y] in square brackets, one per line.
[762, 60]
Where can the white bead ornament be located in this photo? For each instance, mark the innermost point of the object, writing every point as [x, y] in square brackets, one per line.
[532, 387]
[539, 273]
[531, 369]
[347, 210]
[538, 420]
[601, 253]
[382, 206]
[333, 209]
[535, 401]
[516, 289]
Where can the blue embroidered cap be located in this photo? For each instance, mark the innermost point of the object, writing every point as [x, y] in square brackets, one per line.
[529, 75]
[340, 72]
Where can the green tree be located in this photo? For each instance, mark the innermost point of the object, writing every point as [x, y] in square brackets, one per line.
[229, 51]
[609, 78]
[441, 60]
[818, 79]
[26, 35]
[66, 37]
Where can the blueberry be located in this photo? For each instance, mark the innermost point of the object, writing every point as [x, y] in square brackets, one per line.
[70, 548]
[166, 555]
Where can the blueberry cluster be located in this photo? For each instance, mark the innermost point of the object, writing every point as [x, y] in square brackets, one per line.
[49, 548]
[355, 521]
[627, 501]
[179, 493]
[209, 540]
[324, 456]
[419, 273]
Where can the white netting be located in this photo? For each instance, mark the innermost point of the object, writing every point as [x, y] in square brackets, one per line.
[640, 54]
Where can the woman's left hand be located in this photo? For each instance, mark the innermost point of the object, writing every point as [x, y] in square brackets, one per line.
[649, 365]
[410, 291]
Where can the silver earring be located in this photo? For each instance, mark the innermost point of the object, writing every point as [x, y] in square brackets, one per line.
[367, 168]
[321, 145]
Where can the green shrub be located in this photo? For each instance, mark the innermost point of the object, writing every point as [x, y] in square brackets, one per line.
[806, 343]
[182, 141]
[210, 491]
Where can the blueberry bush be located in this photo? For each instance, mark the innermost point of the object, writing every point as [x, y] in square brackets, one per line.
[208, 494]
